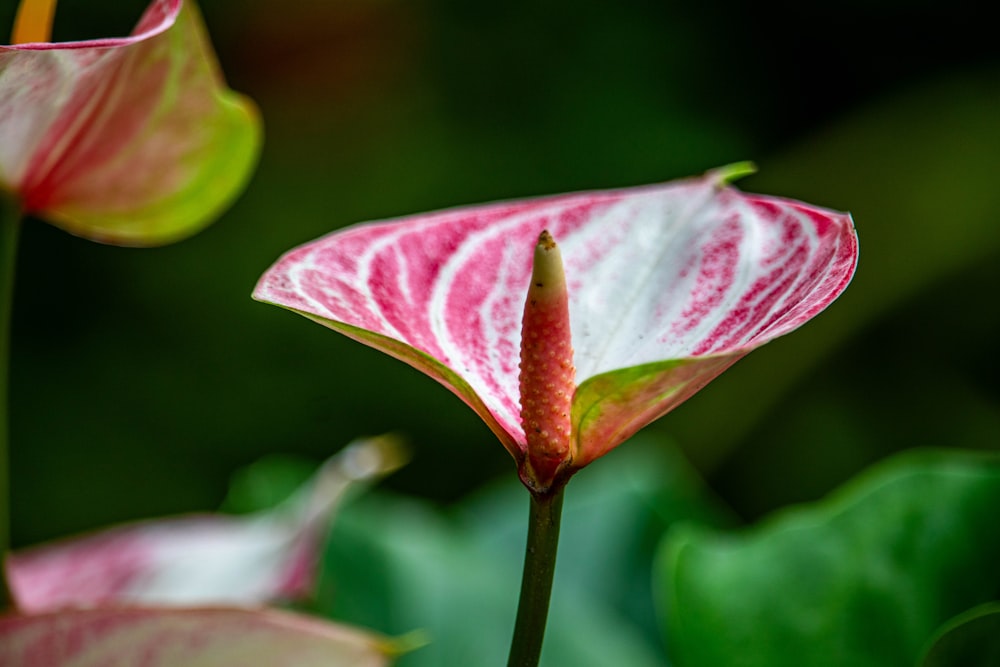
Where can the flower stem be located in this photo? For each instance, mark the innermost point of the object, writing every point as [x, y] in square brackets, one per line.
[10, 225]
[536, 582]
[33, 21]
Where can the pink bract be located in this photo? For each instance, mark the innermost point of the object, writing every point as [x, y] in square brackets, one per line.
[668, 286]
[198, 560]
[133, 140]
[152, 637]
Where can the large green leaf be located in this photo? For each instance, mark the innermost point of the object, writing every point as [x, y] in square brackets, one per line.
[861, 578]
[397, 565]
[614, 516]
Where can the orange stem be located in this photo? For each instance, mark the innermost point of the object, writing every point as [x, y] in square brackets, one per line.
[33, 22]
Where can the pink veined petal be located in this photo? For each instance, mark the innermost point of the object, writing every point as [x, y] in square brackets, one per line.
[133, 140]
[740, 272]
[689, 271]
[156, 637]
[210, 559]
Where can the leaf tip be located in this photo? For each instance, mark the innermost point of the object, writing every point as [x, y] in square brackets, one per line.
[732, 172]
[375, 456]
[395, 647]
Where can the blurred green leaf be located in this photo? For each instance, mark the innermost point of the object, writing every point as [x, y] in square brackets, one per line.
[614, 516]
[862, 578]
[398, 565]
[266, 482]
[971, 639]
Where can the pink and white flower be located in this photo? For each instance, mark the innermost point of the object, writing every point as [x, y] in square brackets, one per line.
[210, 559]
[668, 285]
[161, 637]
[132, 140]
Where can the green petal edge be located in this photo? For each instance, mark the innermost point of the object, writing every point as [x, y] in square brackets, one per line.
[610, 407]
[220, 135]
[971, 639]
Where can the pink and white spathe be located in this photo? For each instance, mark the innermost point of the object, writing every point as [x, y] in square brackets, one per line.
[133, 140]
[668, 285]
[166, 637]
[211, 559]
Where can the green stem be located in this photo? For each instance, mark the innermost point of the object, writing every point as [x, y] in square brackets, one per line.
[536, 582]
[10, 225]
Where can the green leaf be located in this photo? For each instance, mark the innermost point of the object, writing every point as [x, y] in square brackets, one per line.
[862, 578]
[971, 639]
[265, 483]
[614, 516]
[397, 564]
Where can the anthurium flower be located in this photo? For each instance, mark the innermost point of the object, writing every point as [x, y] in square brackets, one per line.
[133, 140]
[158, 637]
[664, 287]
[199, 560]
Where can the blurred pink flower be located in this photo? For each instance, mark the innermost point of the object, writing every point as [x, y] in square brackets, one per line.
[160, 637]
[211, 559]
[133, 140]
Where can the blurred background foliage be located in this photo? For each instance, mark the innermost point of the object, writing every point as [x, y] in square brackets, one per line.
[142, 378]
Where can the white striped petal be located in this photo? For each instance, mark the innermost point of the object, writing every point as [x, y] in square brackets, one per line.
[669, 285]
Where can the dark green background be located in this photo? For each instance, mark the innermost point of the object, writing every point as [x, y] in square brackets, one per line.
[142, 378]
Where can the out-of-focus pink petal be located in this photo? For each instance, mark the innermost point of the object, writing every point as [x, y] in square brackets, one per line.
[156, 637]
[210, 559]
[132, 140]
